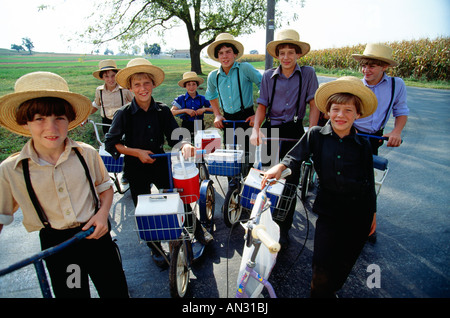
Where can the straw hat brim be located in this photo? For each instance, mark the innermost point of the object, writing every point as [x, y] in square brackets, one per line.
[96, 74]
[213, 46]
[391, 63]
[123, 75]
[10, 102]
[368, 98]
[271, 46]
[191, 79]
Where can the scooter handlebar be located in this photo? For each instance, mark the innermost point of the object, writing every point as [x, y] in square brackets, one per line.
[259, 232]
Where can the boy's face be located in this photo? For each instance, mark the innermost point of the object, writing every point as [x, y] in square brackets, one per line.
[110, 78]
[48, 132]
[342, 117]
[191, 87]
[142, 87]
[226, 57]
[373, 73]
[287, 57]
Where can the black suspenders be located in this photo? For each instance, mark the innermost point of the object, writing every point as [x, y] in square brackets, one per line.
[239, 85]
[273, 94]
[34, 199]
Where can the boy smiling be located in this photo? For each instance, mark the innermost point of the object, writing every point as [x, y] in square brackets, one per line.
[346, 199]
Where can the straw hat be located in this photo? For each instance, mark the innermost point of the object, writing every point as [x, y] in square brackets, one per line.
[189, 77]
[351, 85]
[377, 51]
[41, 84]
[225, 38]
[139, 65]
[105, 65]
[287, 36]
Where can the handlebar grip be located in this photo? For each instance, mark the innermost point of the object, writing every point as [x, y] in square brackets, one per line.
[259, 232]
[286, 172]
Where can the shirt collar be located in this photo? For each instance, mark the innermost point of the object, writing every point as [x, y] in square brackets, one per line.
[114, 90]
[187, 96]
[235, 65]
[328, 130]
[383, 79]
[279, 72]
[28, 152]
[135, 107]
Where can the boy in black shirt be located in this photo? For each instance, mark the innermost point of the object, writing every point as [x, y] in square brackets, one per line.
[346, 199]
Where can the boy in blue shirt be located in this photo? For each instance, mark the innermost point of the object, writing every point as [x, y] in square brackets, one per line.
[191, 106]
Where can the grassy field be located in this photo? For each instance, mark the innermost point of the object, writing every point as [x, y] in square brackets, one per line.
[77, 71]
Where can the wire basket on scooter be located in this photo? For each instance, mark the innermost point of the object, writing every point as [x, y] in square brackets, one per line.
[224, 162]
[164, 217]
[282, 199]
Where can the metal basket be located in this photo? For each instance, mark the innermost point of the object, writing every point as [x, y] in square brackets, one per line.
[224, 162]
[168, 227]
[280, 204]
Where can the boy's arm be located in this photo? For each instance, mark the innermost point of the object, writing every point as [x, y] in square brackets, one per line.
[256, 137]
[100, 219]
[395, 136]
[218, 116]
[313, 113]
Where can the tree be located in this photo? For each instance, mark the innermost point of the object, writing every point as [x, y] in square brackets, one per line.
[28, 44]
[16, 47]
[129, 20]
[153, 49]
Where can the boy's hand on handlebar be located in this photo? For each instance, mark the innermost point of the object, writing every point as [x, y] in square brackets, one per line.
[256, 137]
[218, 121]
[144, 156]
[188, 151]
[250, 120]
[272, 173]
[395, 140]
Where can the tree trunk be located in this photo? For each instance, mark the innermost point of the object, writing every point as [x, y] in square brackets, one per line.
[196, 65]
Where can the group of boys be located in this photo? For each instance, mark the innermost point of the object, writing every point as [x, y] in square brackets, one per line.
[43, 108]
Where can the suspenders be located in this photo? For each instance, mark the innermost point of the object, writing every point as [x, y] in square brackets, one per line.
[239, 85]
[101, 100]
[34, 199]
[273, 94]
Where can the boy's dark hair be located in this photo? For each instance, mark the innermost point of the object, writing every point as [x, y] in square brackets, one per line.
[103, 72]
[221, 45]
[368, 61]
[184, 84]
[44, 106]
[297, 48]
[344, 98]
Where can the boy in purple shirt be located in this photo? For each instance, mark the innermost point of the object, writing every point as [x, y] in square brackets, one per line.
[284, 93]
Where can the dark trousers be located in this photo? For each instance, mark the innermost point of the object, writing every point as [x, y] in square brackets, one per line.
[141, 176]
[338, 241]
[97, 259]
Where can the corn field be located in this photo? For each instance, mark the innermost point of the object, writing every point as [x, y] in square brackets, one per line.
[419, 59]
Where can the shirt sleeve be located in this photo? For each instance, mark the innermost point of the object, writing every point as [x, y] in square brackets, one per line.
[313, 84]
[115, 133]
[7, 203]
[264, 94]
[211, 89]
[400, 108]
[252, 73]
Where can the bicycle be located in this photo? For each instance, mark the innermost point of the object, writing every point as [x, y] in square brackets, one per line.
[177, 226]
[114, 167]
[37, 259]
[256, 234]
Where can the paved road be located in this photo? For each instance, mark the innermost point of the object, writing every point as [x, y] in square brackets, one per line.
[412, 250]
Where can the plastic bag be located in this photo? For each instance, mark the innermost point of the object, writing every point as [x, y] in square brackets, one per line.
[265, 261]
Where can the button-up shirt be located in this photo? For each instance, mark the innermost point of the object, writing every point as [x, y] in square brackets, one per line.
[62, 189]
[112, 100]
[142, 129]
[344, 167]
[228, 86]
[284, 104]
[185, 101]
[383, 91]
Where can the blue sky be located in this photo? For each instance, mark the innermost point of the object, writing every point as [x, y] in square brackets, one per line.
[322, 23]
